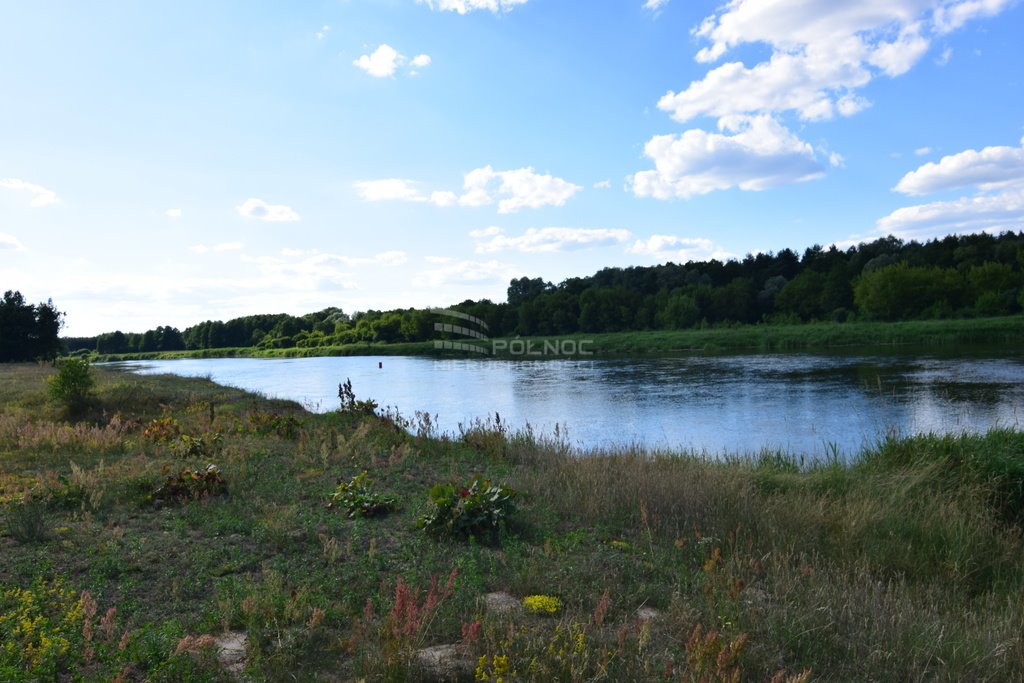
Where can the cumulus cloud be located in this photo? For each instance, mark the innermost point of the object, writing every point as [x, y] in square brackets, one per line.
[516, 189]
[258, 209]
[173, 213]
[464, 6]
[385, 61]
[822, 51]
[382, 62]
[10, 243]
[986, 212]
[760, 154]
[520, 188]
[655, 5]
[678, 249]
[546, 240]
[41, 196]
[988, 169]
[996, 174]
[453, 271]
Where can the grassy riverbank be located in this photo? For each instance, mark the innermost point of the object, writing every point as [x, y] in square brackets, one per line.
[741, 338]
[906, 565]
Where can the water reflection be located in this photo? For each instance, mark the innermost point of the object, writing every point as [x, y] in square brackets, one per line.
[802, 403]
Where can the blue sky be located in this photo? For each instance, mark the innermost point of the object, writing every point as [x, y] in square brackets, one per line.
[163, 163]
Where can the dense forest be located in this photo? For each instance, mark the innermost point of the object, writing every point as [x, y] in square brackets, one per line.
[887, 280]
[28, 332]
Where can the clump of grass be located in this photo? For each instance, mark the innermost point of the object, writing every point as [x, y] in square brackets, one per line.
[26, 521]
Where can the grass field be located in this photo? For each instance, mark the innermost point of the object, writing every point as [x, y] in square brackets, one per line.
[817, 336]
[905, 565]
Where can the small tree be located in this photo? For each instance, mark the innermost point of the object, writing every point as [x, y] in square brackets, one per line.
[72, 383]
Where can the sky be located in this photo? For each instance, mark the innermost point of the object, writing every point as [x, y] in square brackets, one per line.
[165, 163]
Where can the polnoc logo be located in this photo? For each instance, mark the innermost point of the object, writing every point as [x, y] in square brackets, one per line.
[477, 341]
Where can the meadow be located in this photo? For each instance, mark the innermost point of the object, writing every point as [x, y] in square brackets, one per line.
[144, 523]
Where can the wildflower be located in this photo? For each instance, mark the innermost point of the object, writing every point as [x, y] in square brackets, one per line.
[545, 604]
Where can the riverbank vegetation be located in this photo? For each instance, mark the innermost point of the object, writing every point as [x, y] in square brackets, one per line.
[171, 529]
[957, 277]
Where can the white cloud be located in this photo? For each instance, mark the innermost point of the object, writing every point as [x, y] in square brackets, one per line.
[173, 213]
[520, 188]
[313, 272]
[943, 59]
[259, 210]
[822, 52]
[464, 6]
[388, 189]
[385, 61]
[41, 196]
[322, 33]
[988, 169]
[546, 240]
[515, 189]
[655, 5]
[451, 271]
[762, 154]
[922, 151]
[382, 63]
[678, 249]
[988, 213]
[603, 185]
[10, 243]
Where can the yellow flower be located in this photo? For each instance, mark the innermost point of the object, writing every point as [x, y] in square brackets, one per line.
[545, 604]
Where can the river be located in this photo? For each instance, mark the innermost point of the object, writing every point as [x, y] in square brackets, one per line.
[806, 404]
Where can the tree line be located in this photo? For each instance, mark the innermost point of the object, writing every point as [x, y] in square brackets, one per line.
[887, 279]
[27, 331]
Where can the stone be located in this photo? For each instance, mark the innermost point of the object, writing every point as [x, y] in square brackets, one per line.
[502, 603]
[231, 651]
[444, 663]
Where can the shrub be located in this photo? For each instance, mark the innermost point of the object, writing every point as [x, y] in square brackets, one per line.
[351, 405]
[357, 498]
[26, 521]
[192, 484]
[479, 508]
[72, 383]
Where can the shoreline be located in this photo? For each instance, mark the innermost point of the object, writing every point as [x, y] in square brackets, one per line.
[999, 331]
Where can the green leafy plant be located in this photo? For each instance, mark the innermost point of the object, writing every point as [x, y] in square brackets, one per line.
[191, 484]
[201, 446]
[161, 429]
[350, 404]
[478, 508]
[358, 499]
[284, 426]
[72, 383]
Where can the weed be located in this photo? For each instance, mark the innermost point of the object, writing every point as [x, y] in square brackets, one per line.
[352, 406]
[26, 521]
[358, 498]
[479, 508]
[189, 484]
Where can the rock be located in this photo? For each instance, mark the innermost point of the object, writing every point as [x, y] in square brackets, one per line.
[502, 603]
[231, 651]
[444, 663]
[648, 614]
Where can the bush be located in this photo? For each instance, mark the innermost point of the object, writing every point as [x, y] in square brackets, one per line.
[358, 499]
[192, 484]
[479, 508]
[72, 383]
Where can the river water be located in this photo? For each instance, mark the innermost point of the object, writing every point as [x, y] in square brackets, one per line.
[806, 404]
